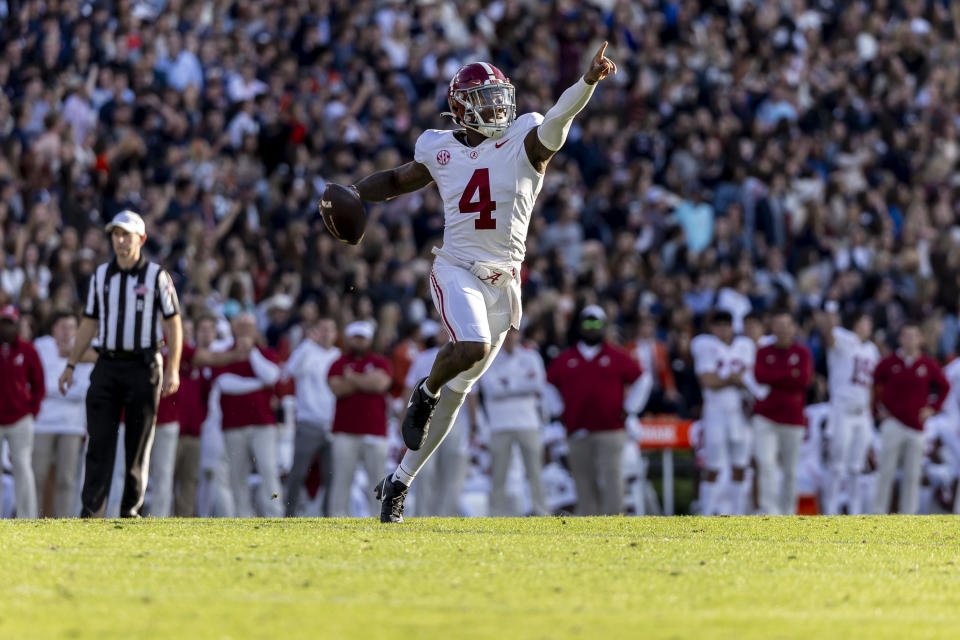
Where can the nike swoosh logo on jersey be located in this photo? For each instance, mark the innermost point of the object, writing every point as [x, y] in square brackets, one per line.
[500, 144]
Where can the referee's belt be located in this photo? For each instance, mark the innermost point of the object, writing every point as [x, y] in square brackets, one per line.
[141, 355]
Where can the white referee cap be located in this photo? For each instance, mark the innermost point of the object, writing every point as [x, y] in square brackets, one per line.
[128, 221]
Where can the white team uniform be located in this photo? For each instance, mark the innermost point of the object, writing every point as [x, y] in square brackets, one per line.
[488, 194]
[850, 367]
[725, 428]
[811, 465]
[945, 426]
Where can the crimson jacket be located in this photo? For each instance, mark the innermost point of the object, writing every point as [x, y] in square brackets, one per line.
[21, 381]
[788, 373]
[904, 388]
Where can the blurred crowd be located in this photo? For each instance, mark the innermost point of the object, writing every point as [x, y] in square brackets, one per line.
[749, 154]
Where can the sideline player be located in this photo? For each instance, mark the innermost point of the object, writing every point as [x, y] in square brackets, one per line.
[489, 174]
[720, 361]
[851, 360]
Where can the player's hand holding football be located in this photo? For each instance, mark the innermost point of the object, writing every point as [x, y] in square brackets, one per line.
[600, 67]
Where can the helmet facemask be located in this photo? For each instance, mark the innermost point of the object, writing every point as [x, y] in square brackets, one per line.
[488, 109]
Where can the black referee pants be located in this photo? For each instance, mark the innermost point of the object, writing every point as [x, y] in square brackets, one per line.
[133, 388]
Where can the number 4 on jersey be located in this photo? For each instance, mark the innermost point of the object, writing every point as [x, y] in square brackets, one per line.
[479, 185]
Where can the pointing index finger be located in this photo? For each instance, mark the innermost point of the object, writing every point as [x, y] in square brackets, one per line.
[599, 55]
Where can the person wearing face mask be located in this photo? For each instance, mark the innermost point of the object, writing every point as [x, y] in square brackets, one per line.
[598, 383]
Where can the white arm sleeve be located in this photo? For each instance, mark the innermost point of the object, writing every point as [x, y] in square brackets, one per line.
[638, 395]
[211, 435]
[266, 371]
[556, 122]
[233, 385]
[293, 366]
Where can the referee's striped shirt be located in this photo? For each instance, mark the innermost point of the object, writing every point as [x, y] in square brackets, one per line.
[129, 304]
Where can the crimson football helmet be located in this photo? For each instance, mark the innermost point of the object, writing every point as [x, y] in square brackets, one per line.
[481, 98]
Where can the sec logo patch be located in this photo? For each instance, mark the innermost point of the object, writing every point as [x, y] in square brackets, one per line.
[443, 157]
[474, 155]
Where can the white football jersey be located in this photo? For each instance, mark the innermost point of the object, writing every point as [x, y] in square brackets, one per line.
[712, 355]
[951, 406]
[812, 464]
[488, 191]
[850, 366]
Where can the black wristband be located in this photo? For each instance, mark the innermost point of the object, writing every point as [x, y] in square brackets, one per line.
[71, 366]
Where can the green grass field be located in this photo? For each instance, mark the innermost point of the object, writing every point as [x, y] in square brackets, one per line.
[854, 577]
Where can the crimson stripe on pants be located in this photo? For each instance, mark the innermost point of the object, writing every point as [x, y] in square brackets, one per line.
[443, 313]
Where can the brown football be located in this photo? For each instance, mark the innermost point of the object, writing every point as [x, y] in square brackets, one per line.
[343, 213]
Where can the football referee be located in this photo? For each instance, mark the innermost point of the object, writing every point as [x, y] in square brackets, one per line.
[129, 299]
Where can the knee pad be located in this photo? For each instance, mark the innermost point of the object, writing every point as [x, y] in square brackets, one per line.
[462, 384]
[451, 398]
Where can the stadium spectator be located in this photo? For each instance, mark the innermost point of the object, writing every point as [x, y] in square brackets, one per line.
[248, 422]
[593, 378]
[512, 391]
[60, 427]
[360, 380]
[21, 392]
[910, 389]
[309, 366]
[786, 367]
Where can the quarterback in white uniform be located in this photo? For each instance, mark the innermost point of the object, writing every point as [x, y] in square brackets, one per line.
[851, 360]
[721, 361]
[488, 173]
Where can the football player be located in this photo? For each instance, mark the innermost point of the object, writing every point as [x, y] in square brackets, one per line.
[851, 360]
[721, 361]
[488, 172]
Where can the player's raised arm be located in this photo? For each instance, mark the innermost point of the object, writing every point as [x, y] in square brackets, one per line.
[384, 185]
[544, 141]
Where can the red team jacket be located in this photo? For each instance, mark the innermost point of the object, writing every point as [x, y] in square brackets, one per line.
[188, 405]
[903, 389]
[249, 409]
[21, 381]
[593, 390]
[788, 373]
[360, 413]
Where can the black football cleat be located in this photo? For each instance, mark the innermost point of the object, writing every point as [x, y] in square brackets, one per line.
[391, 494]
[416, 422]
